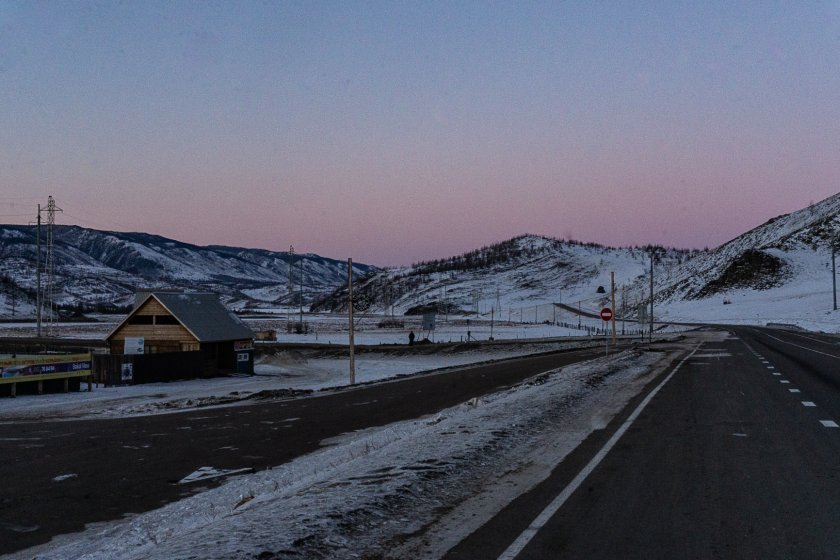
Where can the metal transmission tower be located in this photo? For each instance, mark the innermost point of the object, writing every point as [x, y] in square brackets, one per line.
[50, 267]
[291, 289]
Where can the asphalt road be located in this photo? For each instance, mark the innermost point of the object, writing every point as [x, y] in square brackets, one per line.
[58, 476]
[736, 456]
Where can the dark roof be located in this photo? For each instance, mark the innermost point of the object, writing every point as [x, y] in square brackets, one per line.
[205, 316]
[207, 319]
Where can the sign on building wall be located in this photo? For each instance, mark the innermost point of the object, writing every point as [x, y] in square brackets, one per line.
[134, 345]
[127, 372]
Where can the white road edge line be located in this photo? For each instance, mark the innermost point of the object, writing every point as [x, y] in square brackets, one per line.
[802, 347]
[539, 522]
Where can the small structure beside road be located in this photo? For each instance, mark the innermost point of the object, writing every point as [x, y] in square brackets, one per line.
[176, 336]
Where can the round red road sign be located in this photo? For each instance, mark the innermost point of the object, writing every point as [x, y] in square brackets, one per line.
[606, 314]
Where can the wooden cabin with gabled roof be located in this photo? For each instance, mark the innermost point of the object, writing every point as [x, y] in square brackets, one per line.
[166, 322]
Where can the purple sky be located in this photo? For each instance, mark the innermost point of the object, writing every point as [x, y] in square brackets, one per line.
[392, 132]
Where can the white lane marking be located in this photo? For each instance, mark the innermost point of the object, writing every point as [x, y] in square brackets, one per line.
[802, 347]
[770, 367]
[740, 435]
[63, 477]
[829, 423]
[784, 381]
[794, 390]
[808, 403]
[777, 373]
[826, 342]
[522, 540]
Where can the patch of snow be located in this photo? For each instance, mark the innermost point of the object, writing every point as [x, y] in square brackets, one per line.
[374, 493]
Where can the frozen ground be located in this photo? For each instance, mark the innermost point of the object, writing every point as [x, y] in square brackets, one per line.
[405, 490]
[284, 373]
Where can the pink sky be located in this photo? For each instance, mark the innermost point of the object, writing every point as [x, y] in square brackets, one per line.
[405, 132]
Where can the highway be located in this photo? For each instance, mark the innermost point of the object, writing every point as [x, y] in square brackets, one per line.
[59, 476]
[734, 453]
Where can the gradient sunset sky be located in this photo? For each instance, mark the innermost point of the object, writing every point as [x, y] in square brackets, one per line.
[392, 132]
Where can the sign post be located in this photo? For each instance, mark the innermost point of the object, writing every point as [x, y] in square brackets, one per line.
[606, 316]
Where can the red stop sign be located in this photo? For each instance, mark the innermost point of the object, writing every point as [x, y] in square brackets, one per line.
[606, 314]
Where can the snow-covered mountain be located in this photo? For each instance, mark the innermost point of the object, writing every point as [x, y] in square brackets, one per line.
[98, 268]
[520, 279]
[779, 271]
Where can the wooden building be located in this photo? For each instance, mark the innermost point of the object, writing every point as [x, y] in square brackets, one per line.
[164, 322]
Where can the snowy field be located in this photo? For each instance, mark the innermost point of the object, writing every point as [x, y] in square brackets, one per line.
[286, 373]
[807, 303]
[406, 490]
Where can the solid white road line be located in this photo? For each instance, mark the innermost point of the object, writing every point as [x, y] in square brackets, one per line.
[528, 534]
[802, 347]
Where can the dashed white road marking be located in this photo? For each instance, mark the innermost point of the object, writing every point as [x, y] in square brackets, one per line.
[770, 367]
[808, 403]
[777, 373]
[829, 423]
[794, 390]
[784, 381]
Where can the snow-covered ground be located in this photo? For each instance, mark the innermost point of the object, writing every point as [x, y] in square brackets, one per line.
[807, 302]
[286, 372]
[406, 490]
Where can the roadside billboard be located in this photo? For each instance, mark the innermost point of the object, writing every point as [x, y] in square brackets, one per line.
[39, 368]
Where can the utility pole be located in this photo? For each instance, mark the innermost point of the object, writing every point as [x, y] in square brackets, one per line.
[350, 316]
[623, 306]
[652, 252]
[300, 301]
[612, 282]
[38, 303]
[492, 320]
[834, 268]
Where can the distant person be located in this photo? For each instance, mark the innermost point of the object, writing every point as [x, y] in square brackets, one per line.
[411, 338]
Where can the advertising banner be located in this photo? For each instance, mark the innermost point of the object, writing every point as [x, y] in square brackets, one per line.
[44, 367]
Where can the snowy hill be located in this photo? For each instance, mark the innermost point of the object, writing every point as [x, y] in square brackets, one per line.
[520, 279]
[97, 268]
[777, 272]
